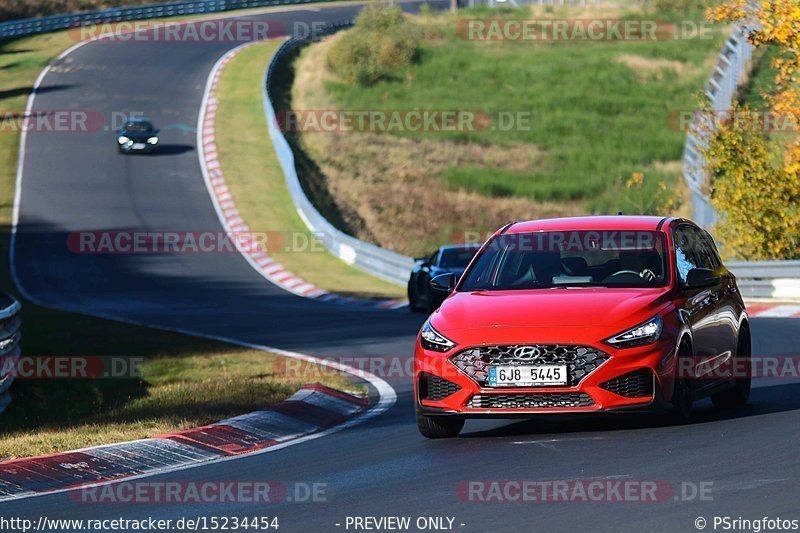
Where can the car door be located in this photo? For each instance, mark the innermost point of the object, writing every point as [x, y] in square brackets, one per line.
[701, 307]
[698, 308]
[728, 304]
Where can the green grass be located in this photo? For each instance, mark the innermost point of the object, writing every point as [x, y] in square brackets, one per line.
[762, 79]
[256, 181]
[596, 118]
[186, 382]
[175, 392]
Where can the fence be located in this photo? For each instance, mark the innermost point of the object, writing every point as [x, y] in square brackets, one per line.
[775, 280]
[24, 27]
[767, 279]
[721, 90]
[385, 264]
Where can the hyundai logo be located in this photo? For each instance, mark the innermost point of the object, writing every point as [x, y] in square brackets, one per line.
[527, 352]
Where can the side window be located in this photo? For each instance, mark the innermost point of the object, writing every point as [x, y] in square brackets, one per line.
[703, 249]
[685, 246]
[712, 250]
[434, 259]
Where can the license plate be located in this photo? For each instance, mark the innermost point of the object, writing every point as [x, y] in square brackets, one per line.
[138, 146]
[527, 375]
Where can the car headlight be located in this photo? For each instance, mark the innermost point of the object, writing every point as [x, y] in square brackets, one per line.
[433, 340]
[152, 140]
[123, 140]
[645, 333]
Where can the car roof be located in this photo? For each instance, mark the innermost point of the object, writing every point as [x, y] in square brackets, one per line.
[618, 222]
[459, 247]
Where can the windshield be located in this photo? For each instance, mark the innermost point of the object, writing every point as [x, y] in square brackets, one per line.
[570, 259]
[138, 126]
[457, 257]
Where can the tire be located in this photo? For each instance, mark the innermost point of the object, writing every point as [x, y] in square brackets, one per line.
[739, 394]
[413, 305]
[681, 412]
[439, 427]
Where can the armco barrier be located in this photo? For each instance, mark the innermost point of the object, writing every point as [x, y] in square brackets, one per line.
[385, 264]
[770, 280]
[24, 27]
[9, 345]
[720, 89]
[778, 280]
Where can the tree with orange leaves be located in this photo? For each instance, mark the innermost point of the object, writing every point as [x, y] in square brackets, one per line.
[755, 184]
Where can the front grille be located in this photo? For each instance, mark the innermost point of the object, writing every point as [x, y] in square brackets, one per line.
[435, 388]
[580, 360]
[530, 401]
[636, 384]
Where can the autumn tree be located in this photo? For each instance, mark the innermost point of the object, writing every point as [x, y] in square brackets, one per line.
[755, 185]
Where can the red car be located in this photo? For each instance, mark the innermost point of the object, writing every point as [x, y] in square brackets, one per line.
[585, 314]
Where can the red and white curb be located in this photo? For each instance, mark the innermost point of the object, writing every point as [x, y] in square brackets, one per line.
[232, 220]
[314, 412]
[312, 409]
[771, 310]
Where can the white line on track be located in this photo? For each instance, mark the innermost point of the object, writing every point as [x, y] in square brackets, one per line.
[386, 394]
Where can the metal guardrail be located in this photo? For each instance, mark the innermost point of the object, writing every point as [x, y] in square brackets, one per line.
[10, 323]
[24, 27]
[764, 279]
[720, 89]
[385, 264]
[773, 280]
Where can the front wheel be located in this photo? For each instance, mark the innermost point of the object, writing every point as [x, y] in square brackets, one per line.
[439, 427]
[413, 306]
[682, 400]
[739, 394]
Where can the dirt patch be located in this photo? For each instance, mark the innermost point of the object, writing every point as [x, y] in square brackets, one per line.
[647, 68]
[387, 189]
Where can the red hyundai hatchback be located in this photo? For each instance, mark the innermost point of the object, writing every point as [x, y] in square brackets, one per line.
[583, 314]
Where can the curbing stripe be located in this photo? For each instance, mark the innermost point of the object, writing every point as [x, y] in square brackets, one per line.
[231, 221]
[189, 457]
[312, 409]
[766, 310]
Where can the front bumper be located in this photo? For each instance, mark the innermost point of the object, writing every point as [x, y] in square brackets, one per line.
[138, 147]
[631, 379]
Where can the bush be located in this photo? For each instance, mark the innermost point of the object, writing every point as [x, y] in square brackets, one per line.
[380, 44]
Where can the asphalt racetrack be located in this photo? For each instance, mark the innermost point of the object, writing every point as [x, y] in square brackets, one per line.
[382, 467]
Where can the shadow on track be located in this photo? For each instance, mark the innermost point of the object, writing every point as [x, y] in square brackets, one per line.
[763, 401]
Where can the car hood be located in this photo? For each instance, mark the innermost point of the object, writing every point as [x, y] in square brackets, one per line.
[578, 307]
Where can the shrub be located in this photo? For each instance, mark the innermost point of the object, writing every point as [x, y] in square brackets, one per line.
[380, 44]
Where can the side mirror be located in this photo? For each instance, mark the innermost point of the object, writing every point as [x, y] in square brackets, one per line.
[444, 282]
[701, 277]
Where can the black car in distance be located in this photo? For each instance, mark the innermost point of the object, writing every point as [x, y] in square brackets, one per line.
[451, 259]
